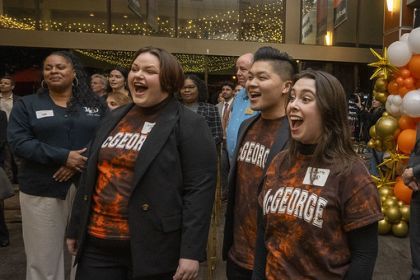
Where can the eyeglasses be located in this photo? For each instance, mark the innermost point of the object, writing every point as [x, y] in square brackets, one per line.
[189, 87]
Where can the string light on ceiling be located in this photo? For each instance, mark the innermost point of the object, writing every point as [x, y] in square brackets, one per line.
[257, 23]
[190, 62]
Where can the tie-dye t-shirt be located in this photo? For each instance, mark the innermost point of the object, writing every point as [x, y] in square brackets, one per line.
[307, 216]
[251, 161]
[116, 161]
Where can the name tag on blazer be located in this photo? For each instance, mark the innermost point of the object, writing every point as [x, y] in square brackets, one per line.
[44, 114]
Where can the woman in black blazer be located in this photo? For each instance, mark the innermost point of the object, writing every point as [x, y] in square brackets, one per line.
[4, 233]
[142, 210]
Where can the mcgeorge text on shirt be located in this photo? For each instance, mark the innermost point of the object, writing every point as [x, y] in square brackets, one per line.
[125, 140]
[254, 153]
[295, 202]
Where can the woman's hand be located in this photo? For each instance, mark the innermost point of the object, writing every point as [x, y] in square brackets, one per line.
[75, 160]
[72, 246]
[409, 180]
[63, 174]
[407, 175]
[187, 270]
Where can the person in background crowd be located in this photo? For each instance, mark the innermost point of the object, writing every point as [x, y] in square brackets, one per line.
[319, 207]
[99, 84]
[142, 210]
[237, 89]
[4, 232]
[240, 109]
[220, 101]
[260, 139]
[49, 132]
[224, 109]
[117, 80]
[117, 99]
[354, 109]
[7, 101]
[225, 102]
[411, 178]
[368, 118]
[194, 96]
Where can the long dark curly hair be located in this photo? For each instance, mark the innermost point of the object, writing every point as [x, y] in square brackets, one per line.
[201, 87]
[82, 93]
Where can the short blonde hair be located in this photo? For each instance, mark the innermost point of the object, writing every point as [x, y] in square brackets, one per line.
[120, 97]
[101, 77]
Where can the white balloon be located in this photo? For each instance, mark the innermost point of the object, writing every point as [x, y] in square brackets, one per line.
[399, 53]
[414, 40]
[393, 105]
[395, 110]
[411, 104]
[388, 108]
[397, 100]
[404, 37]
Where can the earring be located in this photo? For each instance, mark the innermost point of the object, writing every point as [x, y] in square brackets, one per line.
[43, 84]
[77, 82]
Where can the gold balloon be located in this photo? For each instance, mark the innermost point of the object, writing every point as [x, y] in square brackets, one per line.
[385, 114]
[386, 126]
[393, 214]
[383, 199]
[378, 145]
[400, 229]
[372, 131]
[384, 191]
[384, 227]
[371, 143]
[389, 202]
[400, 204]
[381, 97]
[381, 84]
[405, 213]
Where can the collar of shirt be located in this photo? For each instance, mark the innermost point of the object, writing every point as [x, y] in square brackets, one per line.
[229, 102]
[10, 96]
[243, 94]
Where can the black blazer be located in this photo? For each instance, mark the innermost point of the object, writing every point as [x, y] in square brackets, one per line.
[414, 160]
[171, 202]
[3, 139]
[280, 143]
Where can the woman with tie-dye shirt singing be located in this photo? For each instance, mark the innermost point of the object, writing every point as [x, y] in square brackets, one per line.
[319, 207]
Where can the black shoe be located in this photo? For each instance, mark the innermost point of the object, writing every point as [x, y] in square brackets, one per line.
[4, 243]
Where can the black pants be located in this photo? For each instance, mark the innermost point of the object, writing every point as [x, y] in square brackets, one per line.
[224, 171]
[414, 231]
[235, 272]
[4, 233]
[109, 260]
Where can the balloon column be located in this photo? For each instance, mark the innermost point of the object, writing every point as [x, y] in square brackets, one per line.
[397, 86]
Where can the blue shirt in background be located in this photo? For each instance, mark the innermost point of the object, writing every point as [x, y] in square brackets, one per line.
[240, 112]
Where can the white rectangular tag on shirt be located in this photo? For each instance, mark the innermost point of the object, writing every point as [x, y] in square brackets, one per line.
[147, 127]
[319, 178]
[44, 114]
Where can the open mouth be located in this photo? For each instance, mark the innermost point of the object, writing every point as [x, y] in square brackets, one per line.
[254, 95]
[139, 88]
[295, 121]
